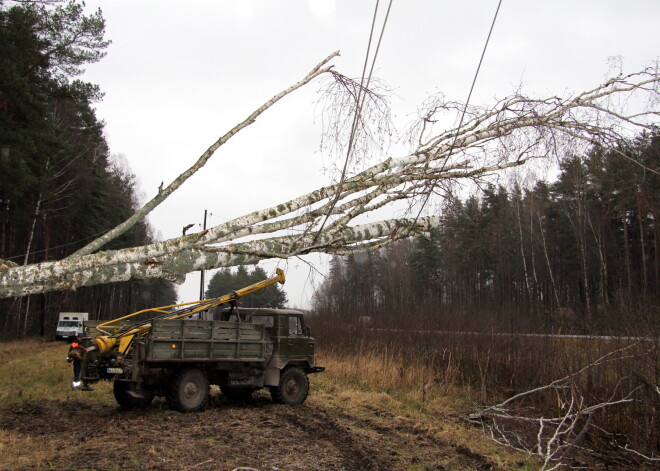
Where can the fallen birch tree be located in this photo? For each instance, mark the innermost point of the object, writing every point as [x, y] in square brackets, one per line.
[508, 134]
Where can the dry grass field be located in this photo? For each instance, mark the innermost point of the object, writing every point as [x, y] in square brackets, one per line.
[351, 421]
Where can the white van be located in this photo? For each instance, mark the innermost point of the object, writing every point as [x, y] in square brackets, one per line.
[70, 325]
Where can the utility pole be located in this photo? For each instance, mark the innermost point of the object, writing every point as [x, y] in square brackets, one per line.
[201, 278]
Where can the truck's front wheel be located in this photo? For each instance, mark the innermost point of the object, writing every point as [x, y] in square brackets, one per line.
[188, 391]
[293, 387]
[129, 396]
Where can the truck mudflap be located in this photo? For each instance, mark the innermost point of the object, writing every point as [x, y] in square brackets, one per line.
[316, 369]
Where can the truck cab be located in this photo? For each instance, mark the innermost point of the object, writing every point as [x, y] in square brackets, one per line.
[70, 325]
[292, 340]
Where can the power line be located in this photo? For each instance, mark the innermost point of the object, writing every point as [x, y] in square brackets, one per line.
[358, 108]
[59, 246]
[474, 81]
[467, 102]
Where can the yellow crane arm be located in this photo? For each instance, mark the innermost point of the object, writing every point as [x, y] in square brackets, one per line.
[104, 344]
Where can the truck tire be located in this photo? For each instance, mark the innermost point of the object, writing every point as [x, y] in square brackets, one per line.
[188, 391]
[293, 387]
[128, 398]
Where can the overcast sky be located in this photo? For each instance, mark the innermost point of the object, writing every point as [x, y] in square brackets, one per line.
[180, 74]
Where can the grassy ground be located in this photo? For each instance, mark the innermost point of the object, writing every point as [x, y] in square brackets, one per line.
[362, 414]
[385, 384]
[32, 371]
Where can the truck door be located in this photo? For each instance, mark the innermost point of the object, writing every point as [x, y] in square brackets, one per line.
[296, 343]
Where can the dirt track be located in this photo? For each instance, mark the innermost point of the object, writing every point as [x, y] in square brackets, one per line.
[75, 435]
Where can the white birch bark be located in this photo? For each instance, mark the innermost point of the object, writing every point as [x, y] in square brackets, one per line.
[68, 274]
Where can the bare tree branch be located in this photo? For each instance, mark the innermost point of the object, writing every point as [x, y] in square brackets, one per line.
[557, 436]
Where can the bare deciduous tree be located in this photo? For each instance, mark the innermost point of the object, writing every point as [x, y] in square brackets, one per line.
[509, 134]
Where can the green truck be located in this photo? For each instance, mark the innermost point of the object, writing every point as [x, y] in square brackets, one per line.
[240, 350]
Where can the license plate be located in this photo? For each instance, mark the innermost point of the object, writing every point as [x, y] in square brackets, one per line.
[114, 371]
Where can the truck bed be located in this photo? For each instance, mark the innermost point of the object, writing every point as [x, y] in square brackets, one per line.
[185, 340]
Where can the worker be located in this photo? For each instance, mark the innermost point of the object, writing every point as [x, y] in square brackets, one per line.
[75, 356]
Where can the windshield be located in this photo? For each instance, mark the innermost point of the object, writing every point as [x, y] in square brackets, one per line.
[68, 324]
[295, 328]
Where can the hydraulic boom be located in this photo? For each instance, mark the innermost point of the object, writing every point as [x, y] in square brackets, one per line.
[120, 335]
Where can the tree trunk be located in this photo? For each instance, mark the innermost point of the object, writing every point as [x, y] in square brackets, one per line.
[32, 229]
[642, 244]
[547, 260]
[522, 250]
[626, 256]
[599, 240]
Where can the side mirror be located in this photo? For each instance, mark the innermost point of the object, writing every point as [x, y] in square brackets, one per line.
[307, 331]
